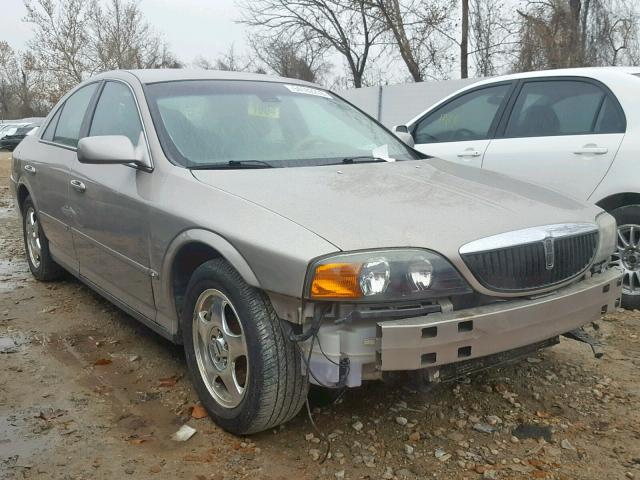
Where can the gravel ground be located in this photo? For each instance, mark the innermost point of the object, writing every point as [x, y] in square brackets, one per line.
[87, 392]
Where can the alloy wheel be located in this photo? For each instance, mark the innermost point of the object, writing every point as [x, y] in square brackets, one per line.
[34, 246]
[627, 257]
[220, 348]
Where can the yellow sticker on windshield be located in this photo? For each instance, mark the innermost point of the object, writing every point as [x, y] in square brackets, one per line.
[258, 108]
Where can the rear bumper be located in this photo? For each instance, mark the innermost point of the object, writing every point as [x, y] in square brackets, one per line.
[445, 338]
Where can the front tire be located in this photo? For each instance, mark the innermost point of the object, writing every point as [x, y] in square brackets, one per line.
[246, 370]
[627, 255]
[36, 245]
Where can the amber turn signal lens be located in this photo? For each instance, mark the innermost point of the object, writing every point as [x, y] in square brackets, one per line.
[336, 280]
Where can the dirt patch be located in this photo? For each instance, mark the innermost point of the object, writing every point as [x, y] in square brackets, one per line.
[87, 392]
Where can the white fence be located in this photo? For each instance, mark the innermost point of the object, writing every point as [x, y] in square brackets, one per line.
[397, 104]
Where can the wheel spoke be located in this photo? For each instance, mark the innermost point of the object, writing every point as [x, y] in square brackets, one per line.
[237, 347]
[204, 327]
[216, 311]
[622, 240]
[234, 390]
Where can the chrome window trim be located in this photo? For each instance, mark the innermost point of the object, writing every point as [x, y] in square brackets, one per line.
[526, 236]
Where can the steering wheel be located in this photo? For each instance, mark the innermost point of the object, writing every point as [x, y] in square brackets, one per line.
[463, 134]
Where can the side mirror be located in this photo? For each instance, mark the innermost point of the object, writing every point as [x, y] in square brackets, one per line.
[402, 132]
[112, 149]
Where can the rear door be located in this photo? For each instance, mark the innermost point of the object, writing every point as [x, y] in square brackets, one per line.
[460, 130]
[561, 132]
[48, 171]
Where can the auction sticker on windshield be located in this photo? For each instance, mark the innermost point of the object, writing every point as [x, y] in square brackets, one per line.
[307, 91]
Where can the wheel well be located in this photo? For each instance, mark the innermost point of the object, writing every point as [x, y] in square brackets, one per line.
[618, 200]
[23, 193]
[188, 258]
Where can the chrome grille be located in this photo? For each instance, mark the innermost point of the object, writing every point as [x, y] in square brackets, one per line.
[531, 265]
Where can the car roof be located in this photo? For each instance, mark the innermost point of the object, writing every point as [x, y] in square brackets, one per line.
[594, 72]
[176, 74]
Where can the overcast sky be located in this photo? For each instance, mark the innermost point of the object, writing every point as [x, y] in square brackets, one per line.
[191, 27]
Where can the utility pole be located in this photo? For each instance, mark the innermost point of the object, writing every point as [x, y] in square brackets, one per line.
[464, 41]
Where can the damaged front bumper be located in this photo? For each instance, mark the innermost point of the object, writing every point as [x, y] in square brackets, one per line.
[445, 338]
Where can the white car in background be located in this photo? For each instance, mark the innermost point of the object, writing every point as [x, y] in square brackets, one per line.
[574, 130]
[10, 128]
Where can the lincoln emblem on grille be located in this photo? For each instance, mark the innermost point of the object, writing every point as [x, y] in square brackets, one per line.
[549, 253]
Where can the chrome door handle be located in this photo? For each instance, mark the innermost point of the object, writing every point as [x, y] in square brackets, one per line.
[592, 151]
[30, 168]
[469, 153]
[78, 185]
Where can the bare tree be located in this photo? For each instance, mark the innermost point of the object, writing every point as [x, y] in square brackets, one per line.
[567, 33]
[121, 38]
[612, 33]
[416, 29]
[303, 59]
[21, 92]
[59, 46]
[8, 64]
[492, 36]
[28, 82]
[347, 26]
[549, 35]
[232, 62]
[229, 61]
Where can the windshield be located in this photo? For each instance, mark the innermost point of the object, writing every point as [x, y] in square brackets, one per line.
[24, 130]
[214, 122]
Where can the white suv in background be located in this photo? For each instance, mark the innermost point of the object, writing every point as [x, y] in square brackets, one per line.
[573, 130]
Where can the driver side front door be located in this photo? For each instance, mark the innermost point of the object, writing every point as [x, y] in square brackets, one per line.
[460, 130]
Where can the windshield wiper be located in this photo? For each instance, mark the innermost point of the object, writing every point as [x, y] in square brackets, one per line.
[233, 164]
[363, 159]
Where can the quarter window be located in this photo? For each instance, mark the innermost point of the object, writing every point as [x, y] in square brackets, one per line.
[468, 117]
[51, 128]
[560, 107]
[610, 119]
[116, 113]
[70, 121]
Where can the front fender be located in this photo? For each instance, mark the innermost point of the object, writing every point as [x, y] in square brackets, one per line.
[166, 302]
[216, 242]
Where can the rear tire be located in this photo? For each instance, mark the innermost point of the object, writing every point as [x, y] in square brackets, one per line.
[627, 255]
[36, 246]
[246, 370]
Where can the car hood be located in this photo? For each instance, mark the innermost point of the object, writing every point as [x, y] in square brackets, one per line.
[431, 203]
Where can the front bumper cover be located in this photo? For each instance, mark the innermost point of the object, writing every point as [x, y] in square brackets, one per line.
[446, 338]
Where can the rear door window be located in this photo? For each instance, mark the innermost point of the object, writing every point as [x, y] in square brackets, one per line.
[70, 121]
[562, 107]
[467, 117]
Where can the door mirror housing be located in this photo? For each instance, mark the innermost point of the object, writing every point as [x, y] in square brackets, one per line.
[402, 132]
[112, 150]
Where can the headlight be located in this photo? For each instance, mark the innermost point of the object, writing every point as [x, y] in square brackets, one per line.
[383, 275]
[608, 236]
